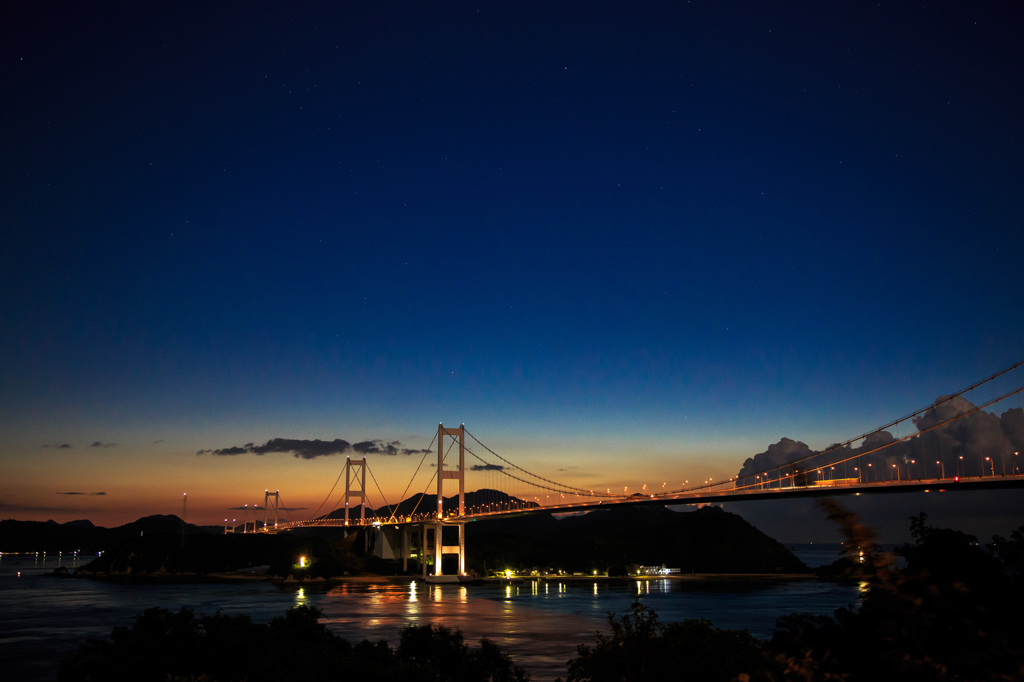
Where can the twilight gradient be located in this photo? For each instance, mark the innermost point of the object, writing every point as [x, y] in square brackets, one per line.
[643, 242]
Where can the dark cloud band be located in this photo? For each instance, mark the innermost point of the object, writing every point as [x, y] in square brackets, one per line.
[311, 449]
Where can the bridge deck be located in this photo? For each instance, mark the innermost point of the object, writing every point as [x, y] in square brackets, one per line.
[724, 494]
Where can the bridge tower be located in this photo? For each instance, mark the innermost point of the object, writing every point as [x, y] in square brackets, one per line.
[459, 475]
[436, 528]
[267, 496]
[360, 492]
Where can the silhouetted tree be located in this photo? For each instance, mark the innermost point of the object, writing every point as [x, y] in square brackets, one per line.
[953, 613]
[162, 646]
[640, 648]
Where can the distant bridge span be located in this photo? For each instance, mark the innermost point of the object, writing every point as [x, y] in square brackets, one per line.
[720, 496]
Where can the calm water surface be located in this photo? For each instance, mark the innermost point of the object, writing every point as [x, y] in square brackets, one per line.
[42, 619]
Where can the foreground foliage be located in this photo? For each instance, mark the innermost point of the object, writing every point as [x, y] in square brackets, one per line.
[641, 648]
[162, 646]
[952, 613]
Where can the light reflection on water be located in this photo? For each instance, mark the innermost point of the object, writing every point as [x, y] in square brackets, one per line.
[540, 624]
[40, 563]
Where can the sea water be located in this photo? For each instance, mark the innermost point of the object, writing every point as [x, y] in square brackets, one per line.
[43, 619]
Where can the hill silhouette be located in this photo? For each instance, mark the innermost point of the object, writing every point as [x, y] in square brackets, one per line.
[708, 540]
[427, 504]
[46, 536]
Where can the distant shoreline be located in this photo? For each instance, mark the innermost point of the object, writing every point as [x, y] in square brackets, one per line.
[192, 578]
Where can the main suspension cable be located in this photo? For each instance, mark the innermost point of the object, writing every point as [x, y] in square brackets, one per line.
[409, 485]
[958, 417]
[530, 473]
[424, 493]
[313, 515]
[531, 483]
[374, 478]
[839, 446]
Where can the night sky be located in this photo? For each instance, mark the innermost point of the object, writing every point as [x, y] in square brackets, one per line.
[636, 244]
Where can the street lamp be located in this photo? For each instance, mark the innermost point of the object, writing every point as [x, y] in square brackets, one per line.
[942, 466]
[897, 473]
[992, 464]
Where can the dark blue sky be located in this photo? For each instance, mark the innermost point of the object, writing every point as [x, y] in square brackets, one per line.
[695, 226]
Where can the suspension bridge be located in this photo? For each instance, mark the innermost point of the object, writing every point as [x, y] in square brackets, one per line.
[934, 455]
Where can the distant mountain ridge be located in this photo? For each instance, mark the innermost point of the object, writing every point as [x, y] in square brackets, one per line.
[49, 536]
[706, 540]
[427, 504]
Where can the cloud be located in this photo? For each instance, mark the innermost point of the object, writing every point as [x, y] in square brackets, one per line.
[302, 449]
[487, 467]
[225, 451]
[976, 443]
[161, 440]
[98, 444]
[776, 455]
[371, 447]
[63, 446]
[76, 493]
[311, 449]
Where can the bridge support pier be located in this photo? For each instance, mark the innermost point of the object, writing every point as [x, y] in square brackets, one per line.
[406, 549]
[435, 547]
